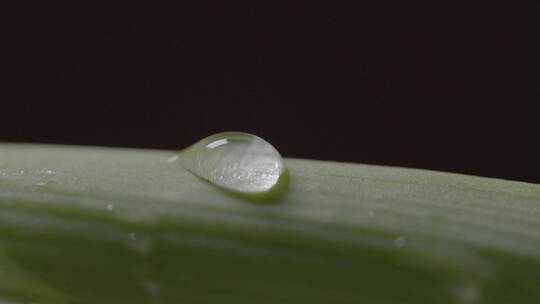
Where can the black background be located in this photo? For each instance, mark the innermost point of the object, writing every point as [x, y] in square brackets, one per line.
[451, 86]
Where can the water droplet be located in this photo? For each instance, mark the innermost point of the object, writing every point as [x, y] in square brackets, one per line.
[140, 244]
[152, 290]
[41, 184]
[400, 242]
[44, 171]
[468, 294]
[110, 207]
[235, 161]
[132, 236]
[172, 159]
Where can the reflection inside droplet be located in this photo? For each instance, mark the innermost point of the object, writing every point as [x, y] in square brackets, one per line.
[235, 161]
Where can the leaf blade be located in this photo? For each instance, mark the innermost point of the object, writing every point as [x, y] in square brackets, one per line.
[330, 238]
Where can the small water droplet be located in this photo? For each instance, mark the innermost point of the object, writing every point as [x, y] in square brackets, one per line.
[132, 236]
[400, 242]
[172, 159]
[468, 294]
[152, 289]
[110, 207]
[235, 161]
[41, 184]
[139, 244]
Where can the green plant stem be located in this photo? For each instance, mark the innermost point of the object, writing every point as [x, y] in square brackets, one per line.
[103, 225]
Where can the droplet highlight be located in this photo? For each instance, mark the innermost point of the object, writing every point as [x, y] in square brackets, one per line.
[235, 161]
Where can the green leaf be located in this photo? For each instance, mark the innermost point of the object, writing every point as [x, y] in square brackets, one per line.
[103, 225]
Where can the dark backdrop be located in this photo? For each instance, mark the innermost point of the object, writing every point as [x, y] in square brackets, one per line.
[451, 86]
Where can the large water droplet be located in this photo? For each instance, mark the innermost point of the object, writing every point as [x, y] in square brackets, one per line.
[235, 161]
